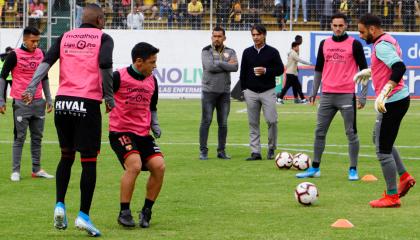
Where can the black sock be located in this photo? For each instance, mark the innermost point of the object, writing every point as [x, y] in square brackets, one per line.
[354, 168]
[124, 206]
[62, 175]
[87, 185]
[315, 164]
[148, 204]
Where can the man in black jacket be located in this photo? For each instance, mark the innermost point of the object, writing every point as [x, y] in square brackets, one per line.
[260, 65]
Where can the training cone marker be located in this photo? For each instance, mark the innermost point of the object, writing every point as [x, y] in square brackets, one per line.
[342, 223]
[369, 178]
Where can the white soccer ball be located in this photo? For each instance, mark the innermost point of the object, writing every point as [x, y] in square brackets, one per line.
[306, 193]
[284, 160]
[301, 161]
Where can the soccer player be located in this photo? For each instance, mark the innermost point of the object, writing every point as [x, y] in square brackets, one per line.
[392, 102]
[218, 62]
[339, 58]
[135, 114]
[85, 57]
[22, 62]
[9, 78]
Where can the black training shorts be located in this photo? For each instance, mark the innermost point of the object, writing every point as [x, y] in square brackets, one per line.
[79, 124]
[127, 143]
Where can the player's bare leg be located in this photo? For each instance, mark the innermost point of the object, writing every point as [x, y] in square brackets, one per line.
[132, 166]
[156, 166]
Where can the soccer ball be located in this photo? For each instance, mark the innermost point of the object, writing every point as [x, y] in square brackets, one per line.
[301, 161]
[306, 193]
[284, 160]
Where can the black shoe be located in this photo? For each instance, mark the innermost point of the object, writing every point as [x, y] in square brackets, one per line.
[204, 156]
[125, 219]
[223, 155]
[254, 156]
[144, 217]
[270, 154]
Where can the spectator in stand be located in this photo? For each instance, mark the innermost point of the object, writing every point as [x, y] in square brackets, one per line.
[361, 7]
[195, 11]
[135, 20]
[280, 12]
[407, 11]
[149, 5]
[254, 12]
[2, 5]
[236, 20]
[36, 11]
[126, 5]
[119, 20]
[175, 14]
[387, 13]
[329, 8]
[79, 12]
[304, 10]
[222, 11]
[164, 7]
[312, 10]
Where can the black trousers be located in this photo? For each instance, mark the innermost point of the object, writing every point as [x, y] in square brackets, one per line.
[292, 81]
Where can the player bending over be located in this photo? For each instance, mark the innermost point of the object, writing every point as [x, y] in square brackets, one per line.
[130, 122]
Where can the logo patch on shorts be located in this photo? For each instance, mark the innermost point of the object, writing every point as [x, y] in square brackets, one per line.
[128, 147]
[19, 118]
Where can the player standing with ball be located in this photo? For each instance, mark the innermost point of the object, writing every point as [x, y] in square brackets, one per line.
[339, 58]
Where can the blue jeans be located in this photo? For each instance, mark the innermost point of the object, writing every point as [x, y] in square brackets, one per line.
[209, 101]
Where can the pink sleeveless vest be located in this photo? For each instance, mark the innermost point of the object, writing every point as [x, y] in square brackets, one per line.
[79, 64]
[27, 63]
[380, 71]
[132, 105]
[339, 66]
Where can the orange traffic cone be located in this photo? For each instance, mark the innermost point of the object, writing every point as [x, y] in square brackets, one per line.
[369, 178]
[342, 223]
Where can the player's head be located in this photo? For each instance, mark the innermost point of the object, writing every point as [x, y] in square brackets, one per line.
[298, 39]
[8, 50]
[339, 24]
[259, 34]
[93, 14]
[218, 36]
[31, 37]
[369, 27]
[144, 58]
[295, 46]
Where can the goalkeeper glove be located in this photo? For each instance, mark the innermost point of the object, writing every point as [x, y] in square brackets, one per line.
[382, 97]
[155, 125]
[363, 76]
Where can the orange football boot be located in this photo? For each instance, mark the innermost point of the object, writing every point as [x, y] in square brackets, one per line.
[406, 182]
[387, 201]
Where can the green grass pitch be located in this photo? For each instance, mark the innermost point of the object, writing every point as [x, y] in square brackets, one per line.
[219, 199]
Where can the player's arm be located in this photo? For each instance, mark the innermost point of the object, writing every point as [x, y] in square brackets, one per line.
[387, 53]
[319, 67]
[9, 63]
[105, 66]
[52, 55]
[359, 57]
[209, 64]
[231, 65]
[296, 58]
[116, 78]
[154, 124]
[277, 67]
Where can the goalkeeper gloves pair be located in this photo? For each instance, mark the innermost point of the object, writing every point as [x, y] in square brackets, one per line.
[363, 77]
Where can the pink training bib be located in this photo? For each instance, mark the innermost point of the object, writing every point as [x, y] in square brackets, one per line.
[79, 64]
[132, 105]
